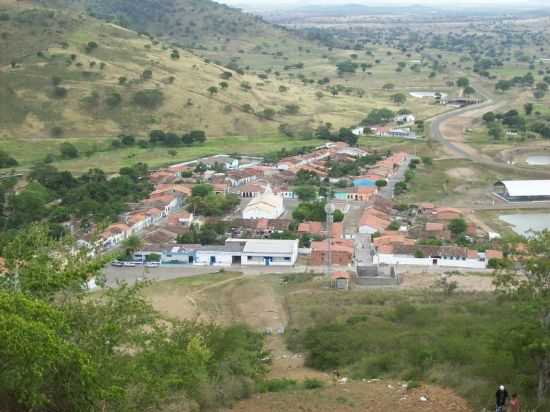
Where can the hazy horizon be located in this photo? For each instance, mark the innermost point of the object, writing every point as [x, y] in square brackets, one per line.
[267, 4]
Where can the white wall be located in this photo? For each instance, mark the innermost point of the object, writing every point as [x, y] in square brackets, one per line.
[411, 260]
[222, 258]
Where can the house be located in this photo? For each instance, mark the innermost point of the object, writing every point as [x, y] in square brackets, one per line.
[404, 132]
[163, 176]
[249, 252]
[166, 203]
[359, 193]
[436, 230]
[182, 217]
[446, 214]
[243, 176]
[493, 254]
[358, 131]
[311, 228]
[405, 119]
[178, 190]
[418, 255]
[267, 205]
[259, 227]
[364, 181]
[114, 235]
[341, 252]
[180, 255]
[137, 221]
[285, 192]
[372, 222]
[249, 190]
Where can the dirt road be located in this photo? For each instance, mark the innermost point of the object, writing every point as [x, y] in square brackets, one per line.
[449, 129]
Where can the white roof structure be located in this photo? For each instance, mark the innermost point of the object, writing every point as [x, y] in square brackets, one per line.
[268, 246]
[527, 188]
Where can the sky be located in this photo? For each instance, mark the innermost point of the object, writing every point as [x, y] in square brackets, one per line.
[298, 3]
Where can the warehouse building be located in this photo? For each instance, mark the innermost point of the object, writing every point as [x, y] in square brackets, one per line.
[523, 190]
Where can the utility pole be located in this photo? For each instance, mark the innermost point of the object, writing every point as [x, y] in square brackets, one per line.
[329, 210]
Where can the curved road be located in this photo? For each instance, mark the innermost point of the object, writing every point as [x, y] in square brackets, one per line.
[437, 134]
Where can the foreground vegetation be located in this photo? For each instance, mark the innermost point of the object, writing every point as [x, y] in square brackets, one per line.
[110, 351]
[469, 342]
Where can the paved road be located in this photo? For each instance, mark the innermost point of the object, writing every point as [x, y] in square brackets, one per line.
[387, 191]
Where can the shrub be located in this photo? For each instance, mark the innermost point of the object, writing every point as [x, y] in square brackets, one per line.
[60, 92]
[148, 99]
[313, 383]
[277, 385]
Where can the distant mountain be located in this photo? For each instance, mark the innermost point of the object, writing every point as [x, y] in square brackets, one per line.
[353, 9]
[189, 23]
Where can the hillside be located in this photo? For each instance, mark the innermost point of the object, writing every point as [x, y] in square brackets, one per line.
[56, 85]
[198, 24]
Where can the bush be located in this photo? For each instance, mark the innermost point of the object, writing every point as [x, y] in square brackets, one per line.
[313, 383]
[68, 151]
[148, 99]
[60, 92]
[6, 160]
[277, 385]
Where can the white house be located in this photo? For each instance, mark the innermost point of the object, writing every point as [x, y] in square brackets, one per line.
[358, 131]
[405, 119]
[265, 206]
[114, 235]
[445, 256]
[249, 252]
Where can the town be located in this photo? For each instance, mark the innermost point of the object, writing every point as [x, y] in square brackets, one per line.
[273, 214]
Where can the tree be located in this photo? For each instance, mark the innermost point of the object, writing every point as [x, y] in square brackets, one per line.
[528, 107]
[468, 91]
[457, 226]
[201, 190]
[306, 193]
[224, 85]
[528, 336]
[68, 151]
[388, 86]
[489, 117]
[148, 99]
[381, 183]
[132, 245]
[496, 131]
[147, 74]
[91, 46]
[346, 67]
[463, 82]
[212, 90]
[399, 98]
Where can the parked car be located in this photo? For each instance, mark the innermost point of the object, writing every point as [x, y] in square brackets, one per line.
[152, 264]
[117, 264]
[129, 264]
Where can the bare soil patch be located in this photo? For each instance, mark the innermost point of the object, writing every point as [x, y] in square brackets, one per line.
[467, 282]
[378, 396]
[464, 173]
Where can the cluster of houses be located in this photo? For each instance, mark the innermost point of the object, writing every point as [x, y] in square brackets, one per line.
[409, 245]
[316, 160]
[400, 127]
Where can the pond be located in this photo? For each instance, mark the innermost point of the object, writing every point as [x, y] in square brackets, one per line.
[523, 223]
[538, 160]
